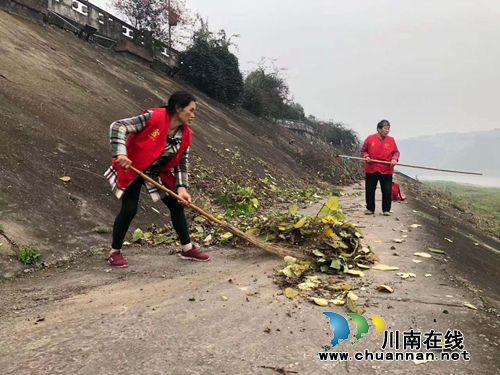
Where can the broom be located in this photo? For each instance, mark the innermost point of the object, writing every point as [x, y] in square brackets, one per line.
[408, 165]
[274, 249]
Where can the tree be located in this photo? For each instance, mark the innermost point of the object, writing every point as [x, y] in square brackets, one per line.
[211, 67]
[163, 19]
[294, 111]
[266, 94]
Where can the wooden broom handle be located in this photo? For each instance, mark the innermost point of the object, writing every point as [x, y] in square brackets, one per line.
[409, 165]
[171, 193]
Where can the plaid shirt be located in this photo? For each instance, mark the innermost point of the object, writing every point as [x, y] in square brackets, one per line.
[119, 131]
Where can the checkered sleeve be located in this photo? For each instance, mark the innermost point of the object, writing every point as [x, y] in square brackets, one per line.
[181, 170]
[119, 130]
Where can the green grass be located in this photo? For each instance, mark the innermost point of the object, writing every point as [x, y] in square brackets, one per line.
[482, 200]
[28, 254]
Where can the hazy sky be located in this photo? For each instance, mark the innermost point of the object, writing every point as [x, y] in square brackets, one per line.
[427, 66]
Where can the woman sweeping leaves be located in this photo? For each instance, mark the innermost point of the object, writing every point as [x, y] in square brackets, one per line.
[154, 142]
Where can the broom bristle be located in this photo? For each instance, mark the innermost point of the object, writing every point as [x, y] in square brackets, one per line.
[274, 249]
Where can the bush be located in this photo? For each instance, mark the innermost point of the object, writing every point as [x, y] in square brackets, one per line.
[28, 254]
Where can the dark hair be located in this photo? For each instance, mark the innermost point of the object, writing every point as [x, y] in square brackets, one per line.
[383, 123]
[179, 99]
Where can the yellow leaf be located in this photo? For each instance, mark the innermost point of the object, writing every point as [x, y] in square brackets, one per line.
[224, 298]
[290, 293]
[293, 209]
[255, 202]
[281, 228]
[385, 288]
[470, 306]
[352, 306]
[362, 266]
[383, 267]
[307, 285]
[352, 296]
[300, 223]
[252, 231]
[338, 301]
[423, 255]
[355, 273]
[331, 219]
[320, 301]
[428, 275]
[333, 204]
[417, 261]
[290, 260]
[65, 178]
[447, 239]
[397, 240]
[327, 232]
[226, 236]
[415, 225]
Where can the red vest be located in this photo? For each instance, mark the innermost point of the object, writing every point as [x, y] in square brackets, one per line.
[146, 146]
[380, 150]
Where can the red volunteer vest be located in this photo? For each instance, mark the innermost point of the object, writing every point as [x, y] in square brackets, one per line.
[147, 145]
[380, 150]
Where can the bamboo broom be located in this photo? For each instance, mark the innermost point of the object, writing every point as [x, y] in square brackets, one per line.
[409, 165]
[274, 249]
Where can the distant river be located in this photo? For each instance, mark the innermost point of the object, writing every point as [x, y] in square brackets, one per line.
[424, 175]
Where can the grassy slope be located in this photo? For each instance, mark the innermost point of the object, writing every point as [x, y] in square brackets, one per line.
[478, 199]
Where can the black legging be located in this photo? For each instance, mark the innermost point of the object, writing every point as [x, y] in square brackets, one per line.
[130, 201]
[371, 182]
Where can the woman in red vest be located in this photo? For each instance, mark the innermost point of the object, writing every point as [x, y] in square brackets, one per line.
[379, 146]
[154, 142]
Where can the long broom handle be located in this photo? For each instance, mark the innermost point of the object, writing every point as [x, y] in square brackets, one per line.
[409, 165]
[170, 192]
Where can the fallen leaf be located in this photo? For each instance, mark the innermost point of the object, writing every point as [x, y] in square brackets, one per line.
[355, 273]
[293, 209]
[65, 178]
[415, 225]
[137, 235]
[318, 253]
[385, 288]
[352, 296]
[406, 275]
[307, 285]
[224, 298]
[470, 306]
[267, 330]
[226, 236]
[383, 267]
[475, 243]
[428, 275]
[320, 301]
[437, 251]
[363, 266]
[207, 240]
[300, 223]
[290, 260]
[417, 261]
[338, 302]
[447, 239]
[333, 204]
[290, 293]
[404, 236]
[423, 255]
[397, 240]
[353, 307]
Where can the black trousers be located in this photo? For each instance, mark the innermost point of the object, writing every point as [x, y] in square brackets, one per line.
[130, 201]
[371, 182]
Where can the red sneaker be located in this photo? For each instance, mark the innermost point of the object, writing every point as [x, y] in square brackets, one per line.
[194, 254]
[117, 260]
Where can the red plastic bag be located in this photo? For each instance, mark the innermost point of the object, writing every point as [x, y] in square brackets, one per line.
[396, 193]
